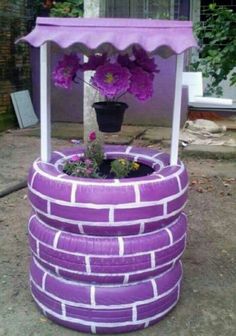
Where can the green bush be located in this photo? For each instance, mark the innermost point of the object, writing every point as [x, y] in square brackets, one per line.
[72, 8]
[217, 40]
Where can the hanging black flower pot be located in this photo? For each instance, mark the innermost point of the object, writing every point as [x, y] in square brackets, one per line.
[110, 115]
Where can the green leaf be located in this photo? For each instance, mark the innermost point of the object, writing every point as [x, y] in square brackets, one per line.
[217, 38]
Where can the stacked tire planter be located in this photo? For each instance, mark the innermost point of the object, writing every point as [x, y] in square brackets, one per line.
[106, 253]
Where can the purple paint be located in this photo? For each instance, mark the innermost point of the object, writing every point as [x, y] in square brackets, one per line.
[177, 203]
[48, 187]
[76, 293]
[123, 295]
[138, 213]
[157, 307]
[38, 202]
[110, 195]
[105, 315]
[120, 264]
[60, 259]
[52, 304]
[79, 213]
[159, 190]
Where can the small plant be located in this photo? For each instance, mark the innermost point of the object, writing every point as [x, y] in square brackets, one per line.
[94, 149]
[122, 167]
[81, 167]
[87, 165]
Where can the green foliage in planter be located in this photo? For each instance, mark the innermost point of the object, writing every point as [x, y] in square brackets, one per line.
[122, 167]
[94, 151]
[72, 8]
[217, 39]
[81, 167]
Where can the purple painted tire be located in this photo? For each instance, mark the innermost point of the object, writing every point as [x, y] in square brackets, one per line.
[107, 259]
[105, 308]
[109, 207]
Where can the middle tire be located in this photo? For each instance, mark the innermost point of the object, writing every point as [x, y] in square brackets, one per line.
[107, 259]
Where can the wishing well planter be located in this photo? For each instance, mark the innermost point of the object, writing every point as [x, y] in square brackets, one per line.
[106, 253]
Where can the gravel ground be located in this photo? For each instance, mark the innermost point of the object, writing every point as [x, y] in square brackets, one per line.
[207, 306]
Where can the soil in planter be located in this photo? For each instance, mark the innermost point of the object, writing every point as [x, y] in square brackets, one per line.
[105, 168]
[143, 170]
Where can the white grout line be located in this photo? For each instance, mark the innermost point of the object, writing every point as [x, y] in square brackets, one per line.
[128, 149]
[146, 324]
[111, 215]
[63, 309]
[153, 260]
[56, 239]
[165, 208]
[92, 296]
[170, 235]
[179, 183]
[134, 313]
[142, 227]
[126, 278]
[121, 246]
[137, 193]
[87, 264]
[59, 153]
[57, 270]
[73, 193]
[33, 177]
[49, 207]
[44, 281]
[81, 229]
[154, 287]
[93, 328]
[37, 247]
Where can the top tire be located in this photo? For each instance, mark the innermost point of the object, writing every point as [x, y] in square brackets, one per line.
[109, 206]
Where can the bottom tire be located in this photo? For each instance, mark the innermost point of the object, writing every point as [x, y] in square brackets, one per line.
[105, 309]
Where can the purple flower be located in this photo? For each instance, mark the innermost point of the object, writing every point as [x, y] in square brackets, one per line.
[89, 171]
[125, 61]
[75, 158]
[141, 84]
[111, 80]
[94, 62]
[144, 61]
[92, 136]
[88, 162]
[65, 71]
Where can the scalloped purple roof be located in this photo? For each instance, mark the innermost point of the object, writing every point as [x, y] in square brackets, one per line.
[165, 37]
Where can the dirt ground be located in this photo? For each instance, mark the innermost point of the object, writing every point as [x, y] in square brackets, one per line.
[208, 302]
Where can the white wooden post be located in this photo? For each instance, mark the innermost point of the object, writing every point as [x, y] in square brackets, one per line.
[91, 9]
[45, 102]
[177, 110]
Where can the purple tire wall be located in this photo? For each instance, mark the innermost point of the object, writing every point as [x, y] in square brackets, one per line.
[127, 206]
[105, 309]
[106, 253]
[107, 259]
